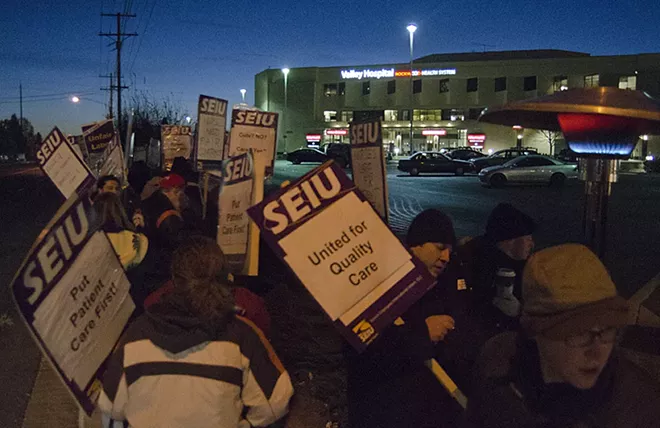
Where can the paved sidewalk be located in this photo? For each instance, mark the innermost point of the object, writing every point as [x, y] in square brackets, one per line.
[51, 404]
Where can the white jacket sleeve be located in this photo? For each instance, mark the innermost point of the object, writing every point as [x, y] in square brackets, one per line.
[267, 386]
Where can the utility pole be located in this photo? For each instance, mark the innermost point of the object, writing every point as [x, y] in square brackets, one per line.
[119, 38]
[110, 88]
[20, 91]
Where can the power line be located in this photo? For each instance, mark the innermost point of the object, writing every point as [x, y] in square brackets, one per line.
[119, 38]
[141, 13]
[60, 98]
[60, 94]
[146, 27]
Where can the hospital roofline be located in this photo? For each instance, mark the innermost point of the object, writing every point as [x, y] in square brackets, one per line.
[501, 55]
[515, 55]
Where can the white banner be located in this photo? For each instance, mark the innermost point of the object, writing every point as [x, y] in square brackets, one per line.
[74, 295]
[256, 131]
[113, 161]
[368, 164]
[212, 124]
[241, 188]
[341, 250]
[176, 140]
[62, 165]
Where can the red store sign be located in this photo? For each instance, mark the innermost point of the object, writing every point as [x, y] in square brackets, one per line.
[476, 140]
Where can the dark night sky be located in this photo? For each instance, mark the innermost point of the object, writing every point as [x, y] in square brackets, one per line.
[216, 47]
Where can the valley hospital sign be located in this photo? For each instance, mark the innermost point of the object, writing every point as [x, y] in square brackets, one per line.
[390, 72]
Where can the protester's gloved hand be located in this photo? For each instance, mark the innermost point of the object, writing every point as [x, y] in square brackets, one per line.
[439, 326]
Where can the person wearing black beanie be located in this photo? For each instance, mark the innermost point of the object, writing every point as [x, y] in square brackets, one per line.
[507, 244]
[389, 384]
[431, 238]
[511, 230]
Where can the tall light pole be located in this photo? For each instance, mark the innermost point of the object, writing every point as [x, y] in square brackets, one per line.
[285, 114]
[411, 30]
[243, 91]
[519, 135]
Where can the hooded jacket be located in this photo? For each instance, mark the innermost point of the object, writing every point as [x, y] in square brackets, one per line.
[171, 370]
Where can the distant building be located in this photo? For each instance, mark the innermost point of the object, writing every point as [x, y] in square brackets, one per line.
[449, 91]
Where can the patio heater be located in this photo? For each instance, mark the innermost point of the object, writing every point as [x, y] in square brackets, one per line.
[601, 125]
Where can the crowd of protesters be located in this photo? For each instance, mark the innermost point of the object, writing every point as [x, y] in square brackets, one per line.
[529, 338]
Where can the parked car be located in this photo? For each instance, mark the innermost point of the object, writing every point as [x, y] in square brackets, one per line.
[340, 153]
[299, 156]
[529, 169]
[465, 154]
[433, 162]
[500, 157]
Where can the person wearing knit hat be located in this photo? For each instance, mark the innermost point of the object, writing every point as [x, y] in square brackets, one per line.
[431, 238]
[389, 385]
[511, 230]
[505, 247]
[563, 368]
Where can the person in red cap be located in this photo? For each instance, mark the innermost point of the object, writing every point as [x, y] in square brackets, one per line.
[165, 224]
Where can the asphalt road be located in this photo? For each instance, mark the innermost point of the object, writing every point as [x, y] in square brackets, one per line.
[29, 200]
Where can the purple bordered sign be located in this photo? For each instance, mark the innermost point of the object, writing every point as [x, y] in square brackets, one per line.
[326, 231]
[211, 128]
[73, 294]
[60, 162]
[256, 131]
[368, 163]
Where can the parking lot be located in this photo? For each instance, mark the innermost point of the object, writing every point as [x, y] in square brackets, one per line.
[633, 225]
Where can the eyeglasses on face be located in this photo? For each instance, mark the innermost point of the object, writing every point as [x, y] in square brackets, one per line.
[604, 335]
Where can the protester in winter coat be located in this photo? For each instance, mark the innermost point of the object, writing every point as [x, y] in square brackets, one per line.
[130, 246]
[139, 257]
[389, 385]
[192, 211]
[163, 212]
[138, 176]
[446, 308]
[563, 369]
[190, 361]
[507, 244]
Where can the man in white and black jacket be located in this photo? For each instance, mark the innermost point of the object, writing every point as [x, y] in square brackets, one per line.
[190, 361]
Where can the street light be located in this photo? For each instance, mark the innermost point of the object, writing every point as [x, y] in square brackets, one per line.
[519, 135]
[285, 71]
[645, 145]
[411, 30]
[77, 100]
[243, 91]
